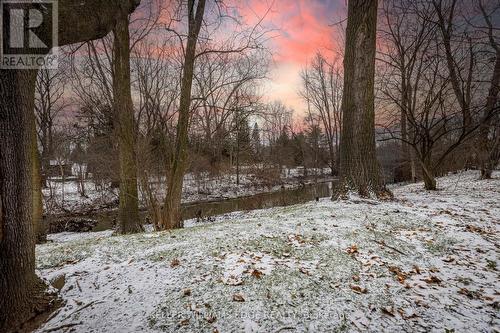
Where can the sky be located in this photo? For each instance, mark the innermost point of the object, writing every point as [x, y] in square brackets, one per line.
[303, 28]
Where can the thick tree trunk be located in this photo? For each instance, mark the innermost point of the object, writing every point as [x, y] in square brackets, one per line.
[22, 293]
[125, 125]
[40, 232]
[20, 288]
[172, 207]
[359, 169]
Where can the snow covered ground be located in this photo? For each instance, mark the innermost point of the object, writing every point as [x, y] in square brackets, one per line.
[427, 261]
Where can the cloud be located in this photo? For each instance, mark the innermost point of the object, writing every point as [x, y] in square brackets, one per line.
[303, 27]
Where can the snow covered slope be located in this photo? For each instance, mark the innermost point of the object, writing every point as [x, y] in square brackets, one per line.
[427, 261]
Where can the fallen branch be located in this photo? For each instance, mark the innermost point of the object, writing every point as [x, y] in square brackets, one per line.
[388, 246]
[83, 307]
[57, 328]
[284, 328]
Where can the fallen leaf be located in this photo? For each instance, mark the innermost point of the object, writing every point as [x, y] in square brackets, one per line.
[469, 293]
[238, 298]
[401, 276]
[186, 292]
[175, 262]
[353, 249]
[433, 279]
[388, 310]
[233, 280]
[358, 289]
[256, 274]
[184, 322]
[472, 228]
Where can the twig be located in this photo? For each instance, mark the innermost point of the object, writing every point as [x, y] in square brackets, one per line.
[84, 307]
[284, 328]
[388, 246]
[57, 328]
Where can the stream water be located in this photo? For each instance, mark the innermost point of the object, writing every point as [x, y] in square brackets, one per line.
[204, 210]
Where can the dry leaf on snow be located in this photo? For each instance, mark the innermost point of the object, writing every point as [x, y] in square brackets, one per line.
[358, 289]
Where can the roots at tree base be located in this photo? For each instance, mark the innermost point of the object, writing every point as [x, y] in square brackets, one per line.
[30, 311]
[378, 192]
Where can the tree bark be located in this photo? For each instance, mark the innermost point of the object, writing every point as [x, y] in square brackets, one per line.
[405, 149]
[172, 207]
[488, 152]
[428, 175]
[359, 169]
[125, 125]
[22, 292]
[19, 286]
[40, 232]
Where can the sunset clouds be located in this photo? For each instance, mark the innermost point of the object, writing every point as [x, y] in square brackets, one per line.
[302, 28]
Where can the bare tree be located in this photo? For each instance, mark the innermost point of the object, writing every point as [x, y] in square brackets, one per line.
[359, 169]
[126, 130]
[172, 215]
[462, 57]
[322, 90]
[157, 87]
[489, 136]
[49, 102]
[408, 33]
[433, 80]
[276, 130]
[239, 42]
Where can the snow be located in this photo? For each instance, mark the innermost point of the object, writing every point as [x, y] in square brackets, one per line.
[427, 261]
[201, 188]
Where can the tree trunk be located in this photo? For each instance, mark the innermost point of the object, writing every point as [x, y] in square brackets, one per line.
[488, 147]
[238, 150]
[22, 293]
[413, 166]
[40, 231]
[405, 159]
[124, 116]
[359, 169]
[172, 208]
[428, 175]
[20, 288]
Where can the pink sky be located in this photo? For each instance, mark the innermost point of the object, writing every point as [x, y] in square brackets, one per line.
[303, 29]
